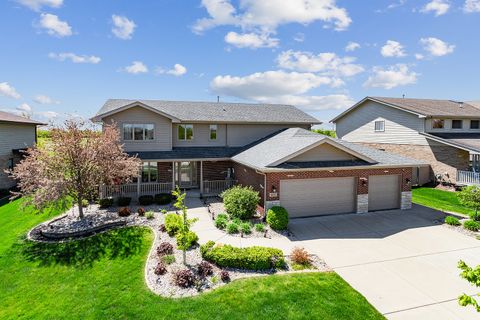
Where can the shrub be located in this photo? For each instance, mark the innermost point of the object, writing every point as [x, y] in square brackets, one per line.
[163, 211]
[145, 200]
[163, 198]
[168, 259]
[162, 228]
[160, 269]
[85, 203]
[300, 256]
[221, 221]
[124, 201]
[204, 269]
[277, 218]
[141, 211]
[164, 248]
[214, 279]
[105, 202]
[184, 278]
[124, 212]
[222, 216]
[240, 202]
[471, 225]
[225, 276]
[149, 215]
[260, 227]
[250, 258]
[452, 221]
[232, 227]
[246, 227]
[185, 241]
[475, 216]
[173, 223]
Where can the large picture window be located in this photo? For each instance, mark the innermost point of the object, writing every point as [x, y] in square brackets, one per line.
[137, 131]
[185, 132]
[149, 172]
[213, 132]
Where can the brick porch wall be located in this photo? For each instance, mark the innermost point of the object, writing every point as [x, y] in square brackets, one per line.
[215, 170]
[164, 171]
[248, 177]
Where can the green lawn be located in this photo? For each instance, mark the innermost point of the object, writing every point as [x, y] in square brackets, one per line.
[439, 199]
[102, 278]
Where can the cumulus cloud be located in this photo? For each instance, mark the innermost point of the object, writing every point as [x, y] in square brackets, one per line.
[177, 70]
[36, 5]
[136, 67]
[250, 40]
[314, 103]
[352, 46]
[471, 6]
[123, 28]
[391, 77]
[74, 57]
[437, 47]
[43, 99]
[24, 107]
[438, 7]
[393, 49]
[8, 91]
[54, 26]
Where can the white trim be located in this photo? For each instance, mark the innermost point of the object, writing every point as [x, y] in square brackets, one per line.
[131, 105]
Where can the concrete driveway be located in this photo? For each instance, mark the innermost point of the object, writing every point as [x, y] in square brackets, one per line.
[403, 262]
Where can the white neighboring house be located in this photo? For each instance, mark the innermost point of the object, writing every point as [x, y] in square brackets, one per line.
[444, 133]
[16, 134]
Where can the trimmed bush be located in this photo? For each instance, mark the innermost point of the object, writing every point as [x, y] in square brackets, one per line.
[163, 198]
[145, 200]
[164, 248]
[105, 202]
[300, 256]
[250, 258]
[221, 221]
[452, 221]
[162, 228]
[173, 223]
[124, 212]
[232, 227]
[186, 241]
[225, 276]
[204, 269]
[260, 227]
[240, 202]
[149, 215]
[85, 203]
[141, 211]
[277, 218]
[124, 201]
[471, 225]
[160, 269]
[246, 227]
[184, 278]
[168, 259]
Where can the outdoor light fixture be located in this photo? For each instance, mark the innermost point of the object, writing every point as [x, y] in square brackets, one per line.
[364, 181]
[407, 181]
[274, 190]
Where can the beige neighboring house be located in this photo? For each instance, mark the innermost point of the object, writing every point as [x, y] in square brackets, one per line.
[443, 133]
[16, 134]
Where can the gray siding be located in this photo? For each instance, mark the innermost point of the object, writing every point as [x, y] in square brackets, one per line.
[400, 127]
[243, 134]
[324, 152]
[163, 129]
[201, 136]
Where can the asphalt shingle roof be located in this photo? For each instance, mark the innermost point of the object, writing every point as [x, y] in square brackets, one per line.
[470, 141]
[8, 117]
[217, 111]
[179, 153]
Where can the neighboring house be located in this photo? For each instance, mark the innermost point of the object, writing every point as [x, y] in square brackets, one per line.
[443, 133]
[16, 134]
[211, 146]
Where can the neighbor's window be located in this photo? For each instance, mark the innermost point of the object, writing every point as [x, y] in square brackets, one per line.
[474, 124]
[457, 124]
[149, 172]
[138, 131]
[437, 123]
[185, 131]
[380, 126]
[213, 132]
[10, 164]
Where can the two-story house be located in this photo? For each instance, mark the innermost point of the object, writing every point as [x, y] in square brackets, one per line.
[16, 134]
[443, 133]
[209, 147]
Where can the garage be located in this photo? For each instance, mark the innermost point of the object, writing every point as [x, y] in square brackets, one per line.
[383, 192]
[314, 197]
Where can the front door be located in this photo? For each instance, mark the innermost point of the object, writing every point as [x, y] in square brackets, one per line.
[186, 174]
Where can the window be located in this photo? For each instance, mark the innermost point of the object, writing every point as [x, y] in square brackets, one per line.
[457, 124]
[380, 126]
[149, 172]
[474, 124]
[10, 164]
[213, 132]
[185, 132]
[138, 131]
[437, 123]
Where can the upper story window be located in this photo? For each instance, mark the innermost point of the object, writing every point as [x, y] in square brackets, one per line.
[438, 123]
[474, 124]
[457, 124]
[185, 132]
[380, 126]
[138, 131]
[213, 132]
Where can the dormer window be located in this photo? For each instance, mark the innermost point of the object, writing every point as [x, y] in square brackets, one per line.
[380, 126]
[457, 124]
[137, 132]
[438, 123]
[185, 132]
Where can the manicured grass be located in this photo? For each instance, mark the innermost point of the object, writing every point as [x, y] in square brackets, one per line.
[439, 199]
[103, 278]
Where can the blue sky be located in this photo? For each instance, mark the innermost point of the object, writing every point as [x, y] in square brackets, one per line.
[65, 57]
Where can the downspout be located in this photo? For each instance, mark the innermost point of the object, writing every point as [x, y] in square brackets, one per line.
[226, 134]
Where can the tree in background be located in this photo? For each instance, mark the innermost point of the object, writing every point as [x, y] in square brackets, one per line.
[326, 132]
[470, 197]
[72, 166]
[472, 276]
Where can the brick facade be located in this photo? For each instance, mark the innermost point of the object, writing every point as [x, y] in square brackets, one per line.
[247, 176]
[164, 171]
[215, 170]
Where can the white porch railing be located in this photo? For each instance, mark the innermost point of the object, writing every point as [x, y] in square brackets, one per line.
[215, 187]
[134, 189]
[468, 177]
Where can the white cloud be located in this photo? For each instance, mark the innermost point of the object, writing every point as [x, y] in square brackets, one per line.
[43, 99]
[471, 6]
[326, 63]
[74, 57]
[393, 49]
[177, 70]
[352, 46]
[123, 27]
[439, 7]
[24, 108]
[250, 40]
[437, 47]
[299, 37]
[391, 77]
[313, 103]
[419, 56]
[54, 26]
[47, 115]
[36, 5]
[136, 67]
[8, 91]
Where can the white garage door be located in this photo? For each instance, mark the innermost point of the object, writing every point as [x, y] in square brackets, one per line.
[383, 192]
[313, 197]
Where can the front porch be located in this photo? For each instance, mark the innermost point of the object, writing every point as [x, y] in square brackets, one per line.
[472, 176]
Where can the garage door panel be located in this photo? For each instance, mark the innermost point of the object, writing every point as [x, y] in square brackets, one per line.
[383, 192]
[311, 197]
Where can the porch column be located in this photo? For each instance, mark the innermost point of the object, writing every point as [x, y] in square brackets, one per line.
[201, 177]
[173, 175]
[138, 185]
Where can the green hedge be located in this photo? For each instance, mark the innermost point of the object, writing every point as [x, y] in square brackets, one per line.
[277, 218]
[240, 202]
[250, 258]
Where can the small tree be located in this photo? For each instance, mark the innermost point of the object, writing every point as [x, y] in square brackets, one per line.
[470, 197]
[472, 276]
[182, 234]
[73, 165]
